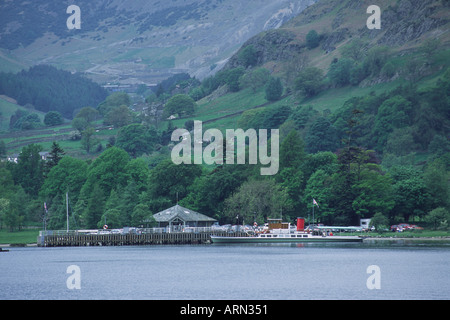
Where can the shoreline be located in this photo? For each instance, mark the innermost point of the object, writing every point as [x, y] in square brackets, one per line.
[408, 238]
[17, 245]
[365, 239]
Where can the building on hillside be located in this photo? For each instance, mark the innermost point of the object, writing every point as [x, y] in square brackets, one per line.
[15, 157]
[177, 218]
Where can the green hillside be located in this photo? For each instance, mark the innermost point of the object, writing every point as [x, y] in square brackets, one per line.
[352, 61]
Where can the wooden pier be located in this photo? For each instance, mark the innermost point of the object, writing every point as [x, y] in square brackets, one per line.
[81, 239]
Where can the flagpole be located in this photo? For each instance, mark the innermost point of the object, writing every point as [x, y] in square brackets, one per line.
[313, 214]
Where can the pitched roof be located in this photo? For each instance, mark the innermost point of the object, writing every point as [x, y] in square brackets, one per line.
[182, 213]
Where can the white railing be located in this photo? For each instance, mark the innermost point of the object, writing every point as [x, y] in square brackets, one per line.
[126, 231]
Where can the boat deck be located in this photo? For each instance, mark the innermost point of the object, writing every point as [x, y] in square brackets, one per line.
[301, 237]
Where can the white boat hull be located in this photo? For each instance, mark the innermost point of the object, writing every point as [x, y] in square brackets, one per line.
[280, 238]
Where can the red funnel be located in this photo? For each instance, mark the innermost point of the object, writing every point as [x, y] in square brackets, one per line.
[300, 224]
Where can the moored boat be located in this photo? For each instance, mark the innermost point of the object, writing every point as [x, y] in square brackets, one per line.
[279, 232]
[279, 238]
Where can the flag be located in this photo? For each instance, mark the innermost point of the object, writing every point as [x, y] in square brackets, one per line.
[315, 203]
[45, 207]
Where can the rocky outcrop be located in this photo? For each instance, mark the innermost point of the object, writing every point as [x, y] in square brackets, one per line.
[408, 20]
[403, 21]
[273, 45]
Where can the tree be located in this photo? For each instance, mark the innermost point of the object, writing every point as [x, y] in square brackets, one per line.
[274, 117]
[137, 139]
[27, 122]
[15, 117]
[208, 192]
[291, 181]
[168, 179]
[2, 149]
[256, 200]
[106, 173]
[303, 115]
[410, 193]
[137, 171]
[401, 142]
[321, 136]
[340, 71]
[55, 155]
[374, 193]
[95, 206]
[57, 213]
[438, 146]
[436, 178]
[108, 170]
[110, 218]
[4, 206]
[393, 113]
[292, 153]
[88, 113]
[116, 99]
[141, 213]
[248, 56]
[197, 93]
[14, 215]
[375, 59]
[312, 39]
[69, 175]
[118, 116]
[324, 160]
[379, 221]
[252, 118]
[438, 218]
[169, 182]
[354, 50]
[274, 89]
[80, 124]
[357, 175]
[29, 170]
[53, 118]
[87, 139]
[232, 77]
[255, 78]
[180, 104]
[309, 81]
[188, 125]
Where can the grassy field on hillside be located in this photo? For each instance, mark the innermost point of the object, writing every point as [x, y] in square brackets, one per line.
[8, 108]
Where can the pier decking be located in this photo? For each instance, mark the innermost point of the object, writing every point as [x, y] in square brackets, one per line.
[75, 238]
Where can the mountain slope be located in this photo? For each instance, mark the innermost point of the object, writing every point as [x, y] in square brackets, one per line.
[385, 90]
[405, 25]
[137, 41]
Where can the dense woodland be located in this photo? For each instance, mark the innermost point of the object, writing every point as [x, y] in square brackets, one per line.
[46, 88]
[358, 162]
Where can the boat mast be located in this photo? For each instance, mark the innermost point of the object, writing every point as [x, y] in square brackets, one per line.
[67, 210]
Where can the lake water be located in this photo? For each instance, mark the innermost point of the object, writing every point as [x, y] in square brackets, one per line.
[229, 272]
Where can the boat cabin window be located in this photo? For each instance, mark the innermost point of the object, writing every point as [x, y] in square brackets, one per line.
[305, 236]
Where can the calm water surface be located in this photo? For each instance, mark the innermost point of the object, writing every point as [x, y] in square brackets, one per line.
[210, 272]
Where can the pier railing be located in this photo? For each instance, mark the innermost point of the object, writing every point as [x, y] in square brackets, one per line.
[130, 236]
[125, 231]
